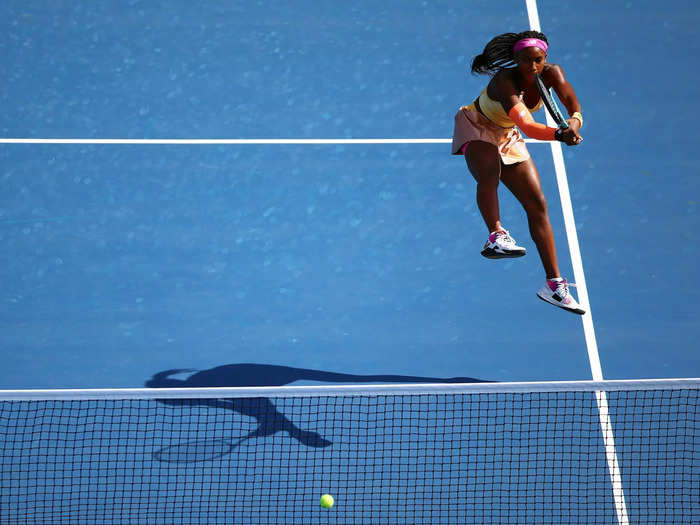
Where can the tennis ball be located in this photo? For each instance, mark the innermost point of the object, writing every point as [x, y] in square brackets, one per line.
[327, 501]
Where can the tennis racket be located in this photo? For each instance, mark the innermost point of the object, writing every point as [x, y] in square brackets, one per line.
[549, 102]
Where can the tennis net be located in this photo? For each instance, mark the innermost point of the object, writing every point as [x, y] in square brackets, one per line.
[492, 453]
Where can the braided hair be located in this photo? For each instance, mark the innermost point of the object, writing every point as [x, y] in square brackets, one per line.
[498, 53]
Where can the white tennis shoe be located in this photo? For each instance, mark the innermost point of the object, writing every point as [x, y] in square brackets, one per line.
[500, 245]
[557, 293]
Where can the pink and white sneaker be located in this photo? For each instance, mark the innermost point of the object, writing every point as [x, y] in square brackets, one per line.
[557, 293]
[500, 244]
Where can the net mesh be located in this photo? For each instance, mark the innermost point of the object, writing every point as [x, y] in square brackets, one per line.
[415, 458]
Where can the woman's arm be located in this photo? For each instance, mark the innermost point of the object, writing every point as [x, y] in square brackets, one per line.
[554, 77]
[506, 93]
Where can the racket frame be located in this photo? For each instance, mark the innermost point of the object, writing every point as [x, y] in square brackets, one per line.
[550, 103]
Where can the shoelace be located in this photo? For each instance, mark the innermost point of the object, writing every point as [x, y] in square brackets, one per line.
[563, 288]
[505, 237]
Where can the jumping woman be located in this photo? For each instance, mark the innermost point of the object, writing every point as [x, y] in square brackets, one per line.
[486, 134]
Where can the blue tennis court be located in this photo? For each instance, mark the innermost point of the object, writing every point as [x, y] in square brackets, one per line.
[250, 264]
[123, 261]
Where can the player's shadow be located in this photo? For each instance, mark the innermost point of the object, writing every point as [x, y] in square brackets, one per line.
[269, 420]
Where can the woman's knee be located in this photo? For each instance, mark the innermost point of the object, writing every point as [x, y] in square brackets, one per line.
[487, 182]
[536, 206]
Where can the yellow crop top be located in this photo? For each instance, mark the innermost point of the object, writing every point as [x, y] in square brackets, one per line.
[494, 111]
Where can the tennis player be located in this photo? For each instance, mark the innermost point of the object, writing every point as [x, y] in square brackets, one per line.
[486, 134]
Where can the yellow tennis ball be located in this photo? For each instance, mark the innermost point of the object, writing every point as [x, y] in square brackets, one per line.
[327, 501]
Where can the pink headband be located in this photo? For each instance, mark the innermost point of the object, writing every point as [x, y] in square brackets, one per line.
[529, 42]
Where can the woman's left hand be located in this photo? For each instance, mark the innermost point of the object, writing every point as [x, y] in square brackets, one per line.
[574, 124]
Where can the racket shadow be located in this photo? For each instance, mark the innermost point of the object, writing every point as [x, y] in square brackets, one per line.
[197, 451]
[261, 410]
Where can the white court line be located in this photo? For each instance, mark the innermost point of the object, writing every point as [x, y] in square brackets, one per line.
[226, 141]
[219, 141]
[571, 234]
[587, 319]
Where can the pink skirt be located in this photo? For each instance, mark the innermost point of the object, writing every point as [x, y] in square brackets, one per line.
[471, 125]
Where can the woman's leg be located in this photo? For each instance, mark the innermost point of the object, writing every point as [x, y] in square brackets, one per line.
[484, 163]
[523, 181]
